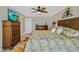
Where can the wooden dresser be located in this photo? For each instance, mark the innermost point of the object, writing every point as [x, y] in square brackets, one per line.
[11, 33]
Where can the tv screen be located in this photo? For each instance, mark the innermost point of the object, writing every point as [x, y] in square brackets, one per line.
[12, 15]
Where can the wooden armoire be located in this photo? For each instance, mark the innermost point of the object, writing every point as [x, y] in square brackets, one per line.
[11, 33]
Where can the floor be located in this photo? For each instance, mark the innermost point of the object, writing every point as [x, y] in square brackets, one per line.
[20, 47]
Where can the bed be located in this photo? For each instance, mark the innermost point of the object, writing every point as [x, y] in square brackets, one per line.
[45, 41]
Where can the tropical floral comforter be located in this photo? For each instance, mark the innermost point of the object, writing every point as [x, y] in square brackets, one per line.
[45, 41]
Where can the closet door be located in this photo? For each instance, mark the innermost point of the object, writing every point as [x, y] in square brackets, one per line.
[28, 25]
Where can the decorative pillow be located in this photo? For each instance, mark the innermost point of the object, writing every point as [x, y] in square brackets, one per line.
[76, 34]
[70, 32]
[53, 30]
[59, 30]
[65, 31]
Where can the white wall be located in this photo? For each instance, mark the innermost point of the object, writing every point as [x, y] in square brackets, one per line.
[0, 27]
[31, 22]
[58, 16]
[41, 21]
[21, 18]
[22, 24]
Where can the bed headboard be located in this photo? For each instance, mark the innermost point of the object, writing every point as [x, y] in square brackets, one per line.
[41, 27]
[71, 23]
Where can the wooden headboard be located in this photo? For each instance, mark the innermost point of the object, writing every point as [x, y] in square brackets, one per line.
[71, 23]
[41, 27]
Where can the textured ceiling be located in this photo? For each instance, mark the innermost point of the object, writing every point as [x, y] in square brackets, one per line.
[27, 11]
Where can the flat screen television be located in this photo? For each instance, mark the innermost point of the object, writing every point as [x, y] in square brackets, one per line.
[12, 15]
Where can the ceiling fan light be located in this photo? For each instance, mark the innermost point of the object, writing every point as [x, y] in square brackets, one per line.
[39, 12]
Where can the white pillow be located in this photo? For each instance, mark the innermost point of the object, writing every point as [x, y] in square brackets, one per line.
[76, 34]
[70, 32]
[53, 29]
[59, 30]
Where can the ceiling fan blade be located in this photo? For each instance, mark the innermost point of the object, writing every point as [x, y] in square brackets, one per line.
[34, 9]
[45, 11]
[43, 8]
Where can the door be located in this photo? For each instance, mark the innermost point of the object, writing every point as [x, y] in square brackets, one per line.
[28, 25]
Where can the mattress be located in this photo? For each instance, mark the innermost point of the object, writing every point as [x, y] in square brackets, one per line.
[45, 41]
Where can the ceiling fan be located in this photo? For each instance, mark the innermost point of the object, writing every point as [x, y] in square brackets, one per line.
[40, 9]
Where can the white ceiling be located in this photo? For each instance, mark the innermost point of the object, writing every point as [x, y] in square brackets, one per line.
[27, 11]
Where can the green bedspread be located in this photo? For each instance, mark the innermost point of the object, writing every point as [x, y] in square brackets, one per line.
[45, 41]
